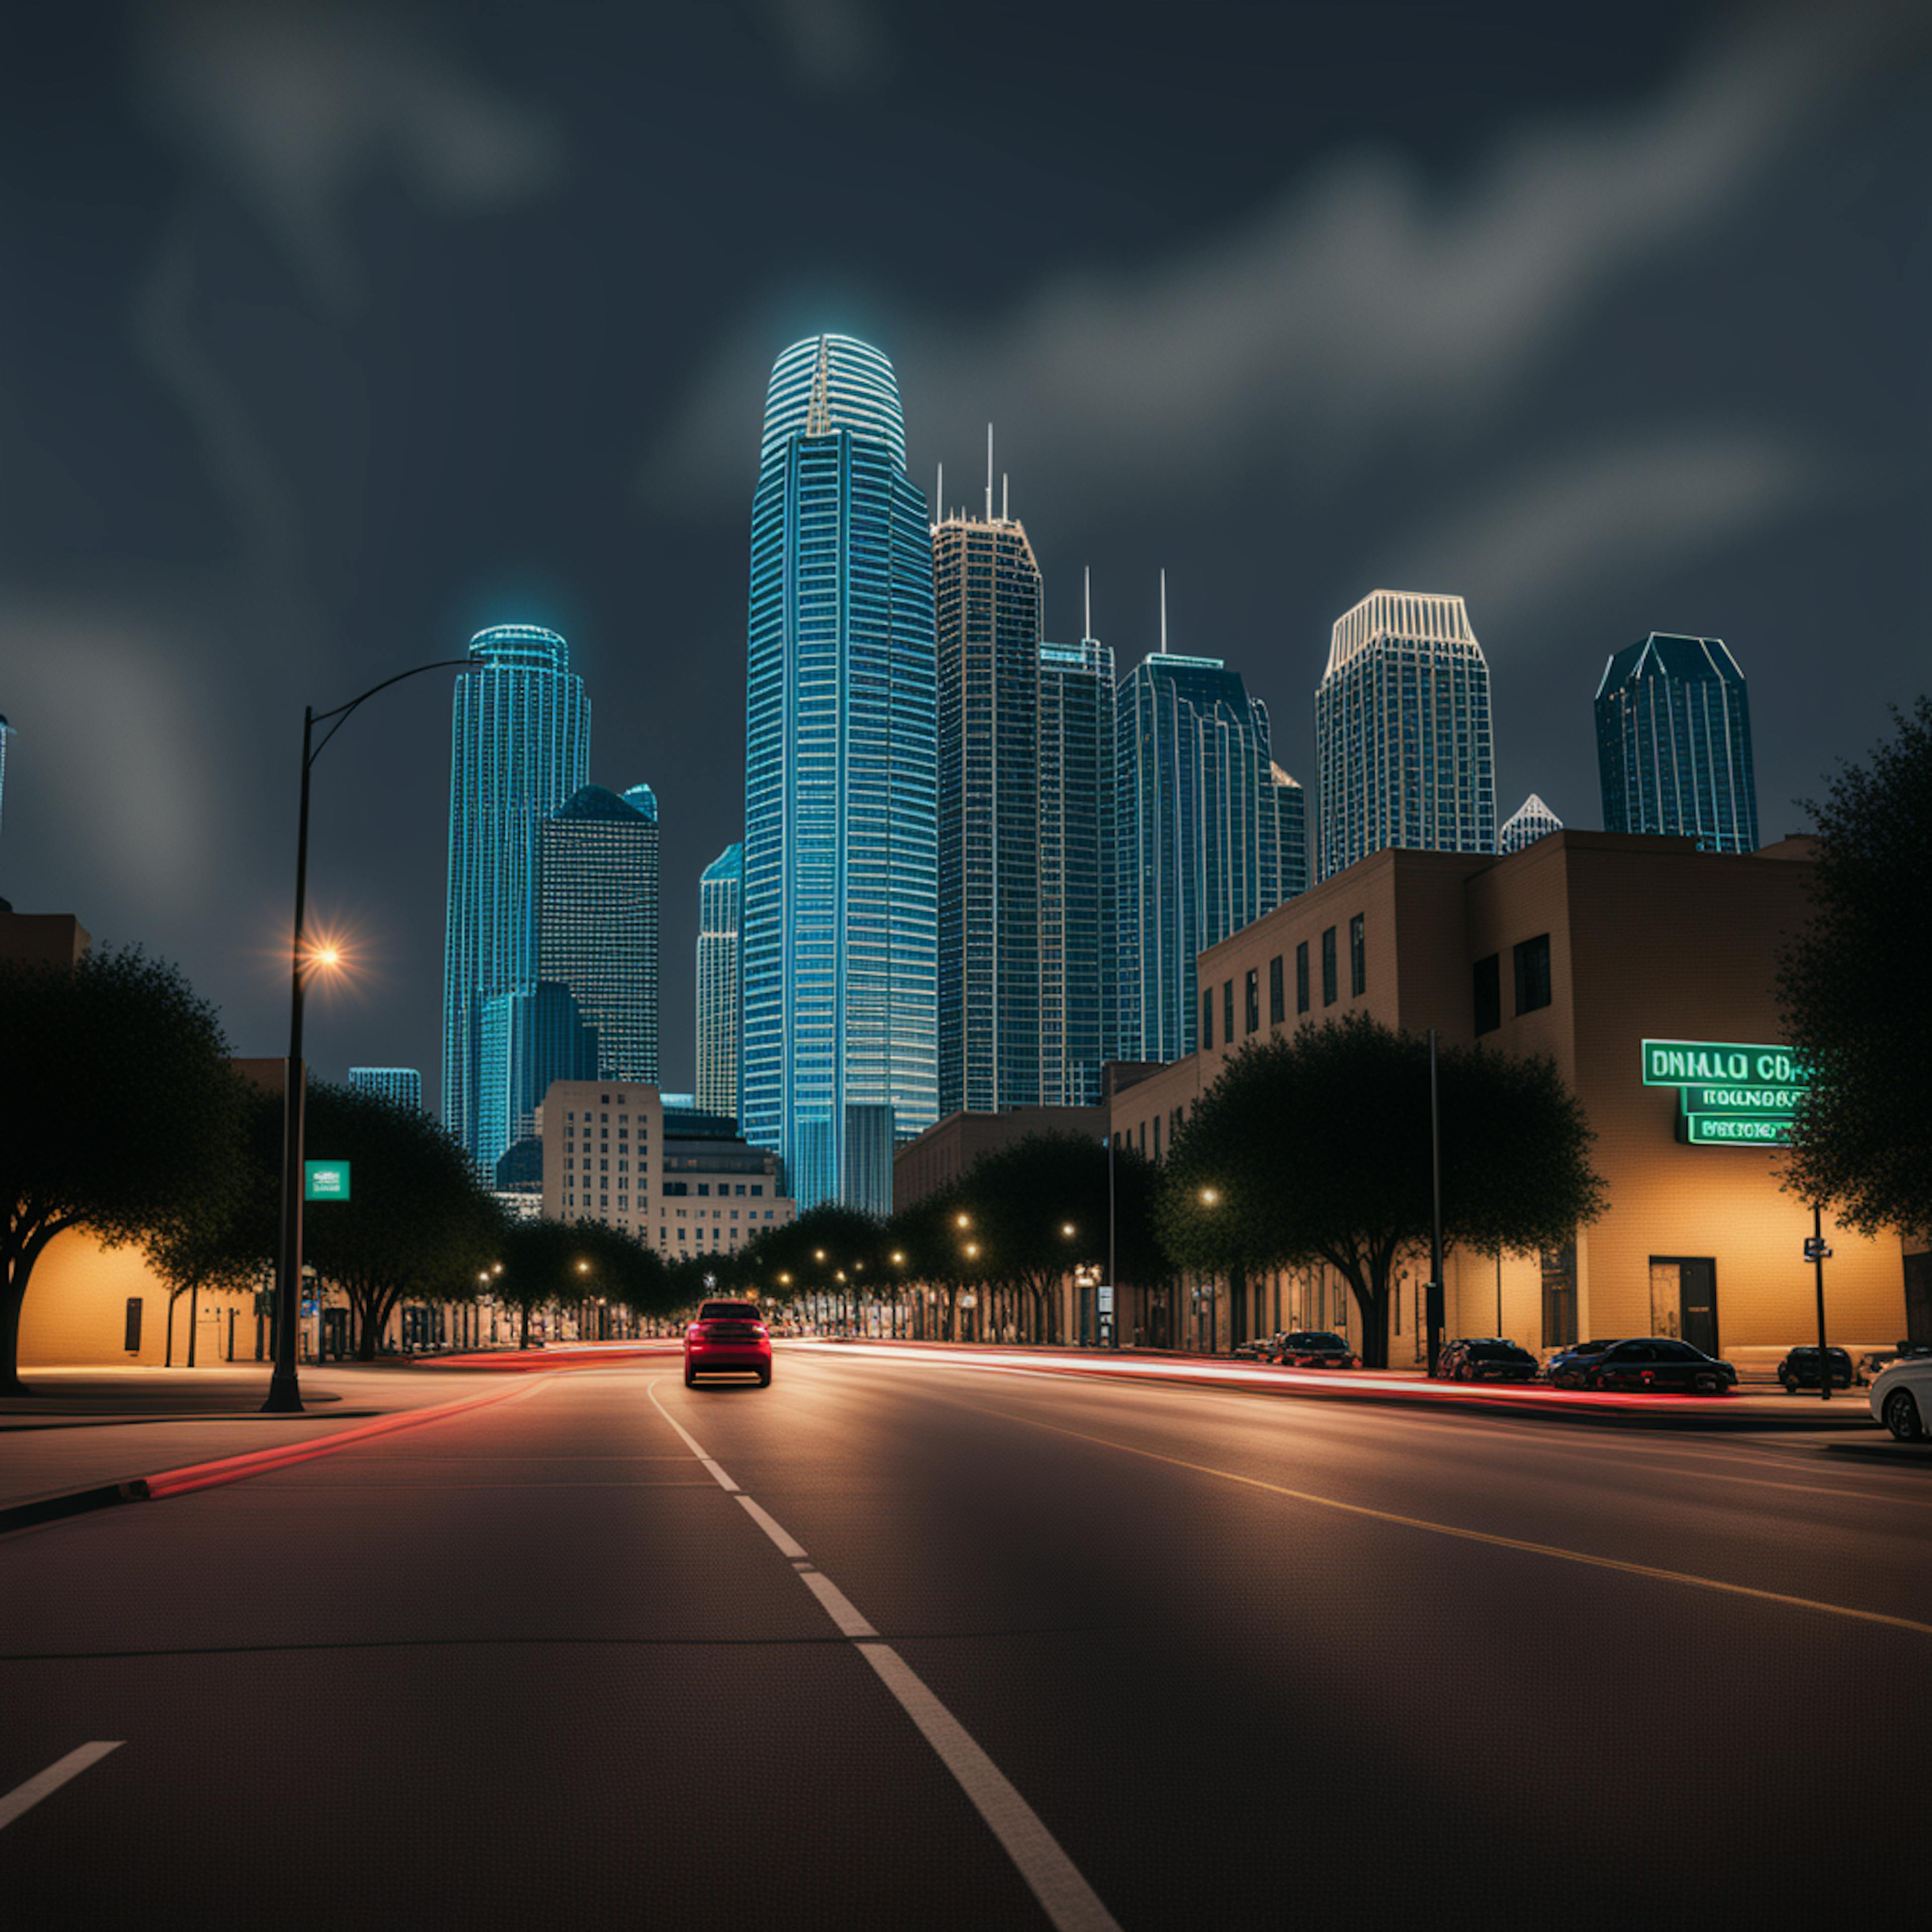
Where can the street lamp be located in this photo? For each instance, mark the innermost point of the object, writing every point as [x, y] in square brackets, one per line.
[284, 1385]
[1211, 1197]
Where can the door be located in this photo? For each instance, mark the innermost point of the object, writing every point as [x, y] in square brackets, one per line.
[1684, 1299]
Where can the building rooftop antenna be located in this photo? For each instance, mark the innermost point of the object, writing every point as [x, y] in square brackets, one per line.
[1163, 613]
[989, 472]
[939, 498]
[1086, 600]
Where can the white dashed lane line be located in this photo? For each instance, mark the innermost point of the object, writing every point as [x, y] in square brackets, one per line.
[43, 1784]
[1068, 1901]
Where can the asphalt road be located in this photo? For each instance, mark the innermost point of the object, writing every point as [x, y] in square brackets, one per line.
[1150, 1656]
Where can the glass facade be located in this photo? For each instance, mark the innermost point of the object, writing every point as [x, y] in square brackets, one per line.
[597, 876]
[519, 746]
[721, 897]
[987, 599]
[1530, 820]
[1076, 880]
[1403, 747]
[526, 1040]
[1674, 745]
[1197, 848]
[841, 891]
[402, 1085]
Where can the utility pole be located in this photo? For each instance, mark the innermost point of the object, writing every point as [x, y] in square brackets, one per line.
[1435, 1309]
[1819, 1251]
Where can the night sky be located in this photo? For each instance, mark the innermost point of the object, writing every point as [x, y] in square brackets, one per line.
[328, 334]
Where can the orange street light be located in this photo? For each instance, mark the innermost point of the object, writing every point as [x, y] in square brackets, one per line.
[965, 1221]
[1066, 1228]
[1210, 1196]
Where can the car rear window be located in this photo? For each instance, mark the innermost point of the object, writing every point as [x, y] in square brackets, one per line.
[728, 1311]
[1319, 1341]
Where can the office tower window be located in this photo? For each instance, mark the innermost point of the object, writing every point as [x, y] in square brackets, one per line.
[1251, 1013]
[1207, 1017]
[1358, 958]
[1488, 978]
[1532, 973]
[1329, 993]
[1277, 993]
[1228, 1012]
[1301, 999]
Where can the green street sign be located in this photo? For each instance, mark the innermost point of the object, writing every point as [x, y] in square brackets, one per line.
[1727, 1130]
[1748, 1101]
[1715, 1063]
[325, 1180]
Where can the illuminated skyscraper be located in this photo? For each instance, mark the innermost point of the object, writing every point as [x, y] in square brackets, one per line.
[401, 1084]
[1076, 881]
[598, 922]
[1674, 745]
[986, 614]
[519, 746]
[526, 1040]
[1197, 836]
[1402, 749]
[1283, 799]
[721, 906]
[1531, 819]
[841, 900]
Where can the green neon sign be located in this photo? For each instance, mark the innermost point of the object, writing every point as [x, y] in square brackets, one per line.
[1729, 1130]
[325, 1180]
[1748, 1101]
[1716, 1063]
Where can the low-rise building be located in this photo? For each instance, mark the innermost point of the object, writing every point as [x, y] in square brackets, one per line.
[945, 1150]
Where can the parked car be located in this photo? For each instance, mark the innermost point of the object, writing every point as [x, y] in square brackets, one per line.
[1567, 1367]
[1799, 1369]
[1652, 1365]
[1901, 1398]
[727, 1338]
[1484, 1358]
[1255, 1352]
[1875, 1361]
[1314, 1348]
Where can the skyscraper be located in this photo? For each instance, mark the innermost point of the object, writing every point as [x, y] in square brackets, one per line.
[1530, 820]
[401, 1084]
[721, 905]
[841, 899]
[1402, 745]
[1673, 743]
[527, 1039]
[1284, 800]
[519, 746]
[1077, 1021]
[597, 873]
[1197, 832]
[986, 593]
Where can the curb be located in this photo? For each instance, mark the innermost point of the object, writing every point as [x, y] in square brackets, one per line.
[75, 1502]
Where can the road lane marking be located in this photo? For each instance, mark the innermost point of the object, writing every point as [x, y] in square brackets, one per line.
[43, 1784]
[1455, 1530]
[1070, 1903]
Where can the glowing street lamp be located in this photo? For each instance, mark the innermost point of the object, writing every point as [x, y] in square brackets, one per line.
[1211, 1197]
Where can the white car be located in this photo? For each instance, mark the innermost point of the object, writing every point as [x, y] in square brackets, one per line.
[1901, 1397]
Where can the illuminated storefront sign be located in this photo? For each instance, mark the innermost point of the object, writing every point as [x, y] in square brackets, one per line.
[1729, 1094]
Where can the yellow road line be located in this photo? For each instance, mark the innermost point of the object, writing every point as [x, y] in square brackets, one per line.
[1478, 1535]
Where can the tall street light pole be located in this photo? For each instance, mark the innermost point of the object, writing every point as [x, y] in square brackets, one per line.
[1435, 1295]
[284, 1386]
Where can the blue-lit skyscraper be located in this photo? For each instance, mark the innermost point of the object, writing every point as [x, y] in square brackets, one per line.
[1077, 1021]
[1530, 820]
[597, 874]
[721, 913]
[401, 1085]
[841, 896]
[525, 1039]
[987, 597]
[1197, 837]
[1673, 743]
[519, 746]
[1403, 751]
[1284, 803]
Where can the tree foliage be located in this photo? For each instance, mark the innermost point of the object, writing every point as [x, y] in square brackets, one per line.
[1316, 1149]
[1853, 989]
[119, 1113]
[541, 1262]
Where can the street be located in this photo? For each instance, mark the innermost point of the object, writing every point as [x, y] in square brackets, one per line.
[1216, 1659]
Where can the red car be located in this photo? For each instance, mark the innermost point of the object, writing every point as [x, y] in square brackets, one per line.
[728, 1338]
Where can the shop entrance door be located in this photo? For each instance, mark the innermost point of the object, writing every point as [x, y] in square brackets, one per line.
[1684, 1299]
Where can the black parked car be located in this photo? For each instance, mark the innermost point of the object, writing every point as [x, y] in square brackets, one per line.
[1255, 1352]
[1484, 1358]
[1314, 1348]
[1568, 1367]
[1799, 1369]
[1655, 1365]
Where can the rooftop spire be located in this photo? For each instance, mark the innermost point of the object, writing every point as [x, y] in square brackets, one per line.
[1163, 613]
[989, 472]
[1086, 600]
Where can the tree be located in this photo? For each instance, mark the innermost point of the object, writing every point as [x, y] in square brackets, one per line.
[1853, 989]
[1316, 1148]
[119, 1113]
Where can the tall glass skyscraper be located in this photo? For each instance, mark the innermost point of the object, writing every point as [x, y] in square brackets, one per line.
[841, 904]
[526, 1040]
[721, 911]
[1673, 743]
[1284, 800]
[519, 746]
[1077, 1021]
[987, 600]
[402, 1085]
[1197, 833]
[1530, 820]
[598, 922]
[1403, 753]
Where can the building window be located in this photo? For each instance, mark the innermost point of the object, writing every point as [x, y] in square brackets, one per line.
[1277, 994]
[1251, 1014]
[1488, 974]
[1207, 1017]
[1228, 1012]
[1532, 973]
[1328, 988]
[1358, 958]
[1301, 977]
